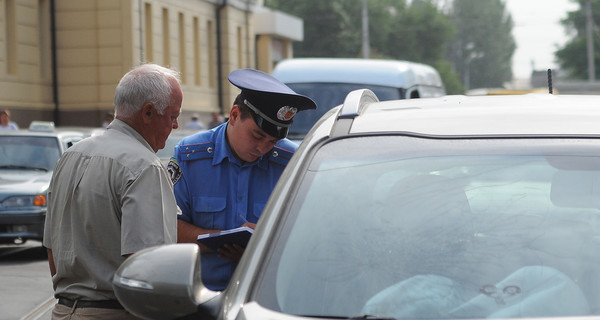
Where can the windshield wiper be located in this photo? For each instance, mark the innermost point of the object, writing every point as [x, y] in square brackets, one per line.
[23, 168]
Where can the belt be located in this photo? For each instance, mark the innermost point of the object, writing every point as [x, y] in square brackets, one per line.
[102, 304]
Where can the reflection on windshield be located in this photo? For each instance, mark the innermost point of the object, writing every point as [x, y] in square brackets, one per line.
[327, 96]
[33, 153]
[446, 235]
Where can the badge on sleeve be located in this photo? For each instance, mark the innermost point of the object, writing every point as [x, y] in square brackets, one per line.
[174, 170]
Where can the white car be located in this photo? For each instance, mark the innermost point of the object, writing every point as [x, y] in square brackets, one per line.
[27, 159]
[444, 208]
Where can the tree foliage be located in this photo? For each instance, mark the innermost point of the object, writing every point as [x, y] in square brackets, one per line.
[483, 47]
[417, 31]
[331, 28]
[572, 57]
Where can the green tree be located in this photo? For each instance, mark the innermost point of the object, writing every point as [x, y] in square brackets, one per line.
[482, 49]
[420, 33]
[330, 27]
[572, 57]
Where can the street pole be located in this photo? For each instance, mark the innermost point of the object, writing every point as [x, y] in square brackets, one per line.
[590, 41]
[365, 31]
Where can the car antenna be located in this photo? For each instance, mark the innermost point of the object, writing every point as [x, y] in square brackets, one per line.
[550, 80]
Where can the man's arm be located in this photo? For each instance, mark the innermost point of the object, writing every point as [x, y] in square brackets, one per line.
[188, 233]
[51, 262]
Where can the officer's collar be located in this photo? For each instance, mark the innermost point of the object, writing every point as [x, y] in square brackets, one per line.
[227, 153]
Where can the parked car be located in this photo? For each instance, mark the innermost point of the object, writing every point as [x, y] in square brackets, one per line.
[27, 159]
[328, 80]
[444, 208]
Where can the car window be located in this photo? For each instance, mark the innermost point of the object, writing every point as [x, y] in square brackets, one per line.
[432, 229]
[329, 95]
[29, 151]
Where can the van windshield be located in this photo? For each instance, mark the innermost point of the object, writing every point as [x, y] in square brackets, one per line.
[327, 96]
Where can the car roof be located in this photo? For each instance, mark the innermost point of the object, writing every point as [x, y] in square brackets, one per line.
[481, 116]
[390, 73]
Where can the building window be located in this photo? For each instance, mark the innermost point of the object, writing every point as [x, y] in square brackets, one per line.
[212, 62]
[182, 56]
[166, 38]
[11, 36]
[148, 32]
[197, 78]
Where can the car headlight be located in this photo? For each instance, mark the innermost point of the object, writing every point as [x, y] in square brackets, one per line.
[25, 201]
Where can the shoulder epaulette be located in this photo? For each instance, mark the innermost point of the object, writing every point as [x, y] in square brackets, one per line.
[196, 151]
[280, 156]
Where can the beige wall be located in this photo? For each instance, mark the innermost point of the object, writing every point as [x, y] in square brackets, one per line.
[25, 78]
[97, 41]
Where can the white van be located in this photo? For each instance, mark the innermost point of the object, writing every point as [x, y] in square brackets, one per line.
[328, 80]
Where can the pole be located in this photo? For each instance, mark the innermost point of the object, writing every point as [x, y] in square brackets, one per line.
[365, 31]
[590, 41]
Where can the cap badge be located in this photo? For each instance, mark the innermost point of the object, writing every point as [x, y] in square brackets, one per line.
[286, 113]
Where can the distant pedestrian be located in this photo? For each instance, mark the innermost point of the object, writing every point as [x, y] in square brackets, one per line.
[216, 121]
[5, 123]
[194, 123]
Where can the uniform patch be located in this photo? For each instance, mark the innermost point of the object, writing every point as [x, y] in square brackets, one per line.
[174, 170]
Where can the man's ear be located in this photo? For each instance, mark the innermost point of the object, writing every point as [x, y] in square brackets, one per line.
[148, 112]
[234, 114]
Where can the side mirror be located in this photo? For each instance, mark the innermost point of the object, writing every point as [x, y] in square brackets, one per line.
[162, 282]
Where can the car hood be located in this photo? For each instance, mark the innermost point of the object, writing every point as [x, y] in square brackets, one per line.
[24, 181]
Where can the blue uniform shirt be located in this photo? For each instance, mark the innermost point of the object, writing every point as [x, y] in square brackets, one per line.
[216, 191]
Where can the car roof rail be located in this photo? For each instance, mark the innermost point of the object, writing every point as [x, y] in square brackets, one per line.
[353, 105]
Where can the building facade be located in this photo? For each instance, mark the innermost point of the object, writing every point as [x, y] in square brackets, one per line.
[60, 60]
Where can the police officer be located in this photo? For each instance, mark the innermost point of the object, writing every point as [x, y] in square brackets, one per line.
[223, 177]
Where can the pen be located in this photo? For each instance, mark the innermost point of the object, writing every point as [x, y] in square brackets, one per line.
[244, 219]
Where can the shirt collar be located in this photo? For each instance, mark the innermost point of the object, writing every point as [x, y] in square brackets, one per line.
[223, 150]
[124, 128]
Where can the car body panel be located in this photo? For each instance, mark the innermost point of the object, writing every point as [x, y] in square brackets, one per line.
[452, 116]
[391, 73]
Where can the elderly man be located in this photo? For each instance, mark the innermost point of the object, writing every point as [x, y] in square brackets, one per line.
[110, 196]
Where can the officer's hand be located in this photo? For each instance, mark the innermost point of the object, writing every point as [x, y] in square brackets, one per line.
[232, 252]
[249, 225]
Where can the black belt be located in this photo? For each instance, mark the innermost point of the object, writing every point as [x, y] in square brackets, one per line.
[102, 304]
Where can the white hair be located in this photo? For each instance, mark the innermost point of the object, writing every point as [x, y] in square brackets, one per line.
[147, 83]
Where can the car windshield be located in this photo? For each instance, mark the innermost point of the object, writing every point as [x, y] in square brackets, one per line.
[327, 96]
[28, 152]
[413, 228]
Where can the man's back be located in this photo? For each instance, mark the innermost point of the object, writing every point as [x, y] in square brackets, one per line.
[96, 188]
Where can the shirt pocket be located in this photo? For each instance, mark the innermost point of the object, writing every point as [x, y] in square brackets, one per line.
[258, 209]
[209, 212]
